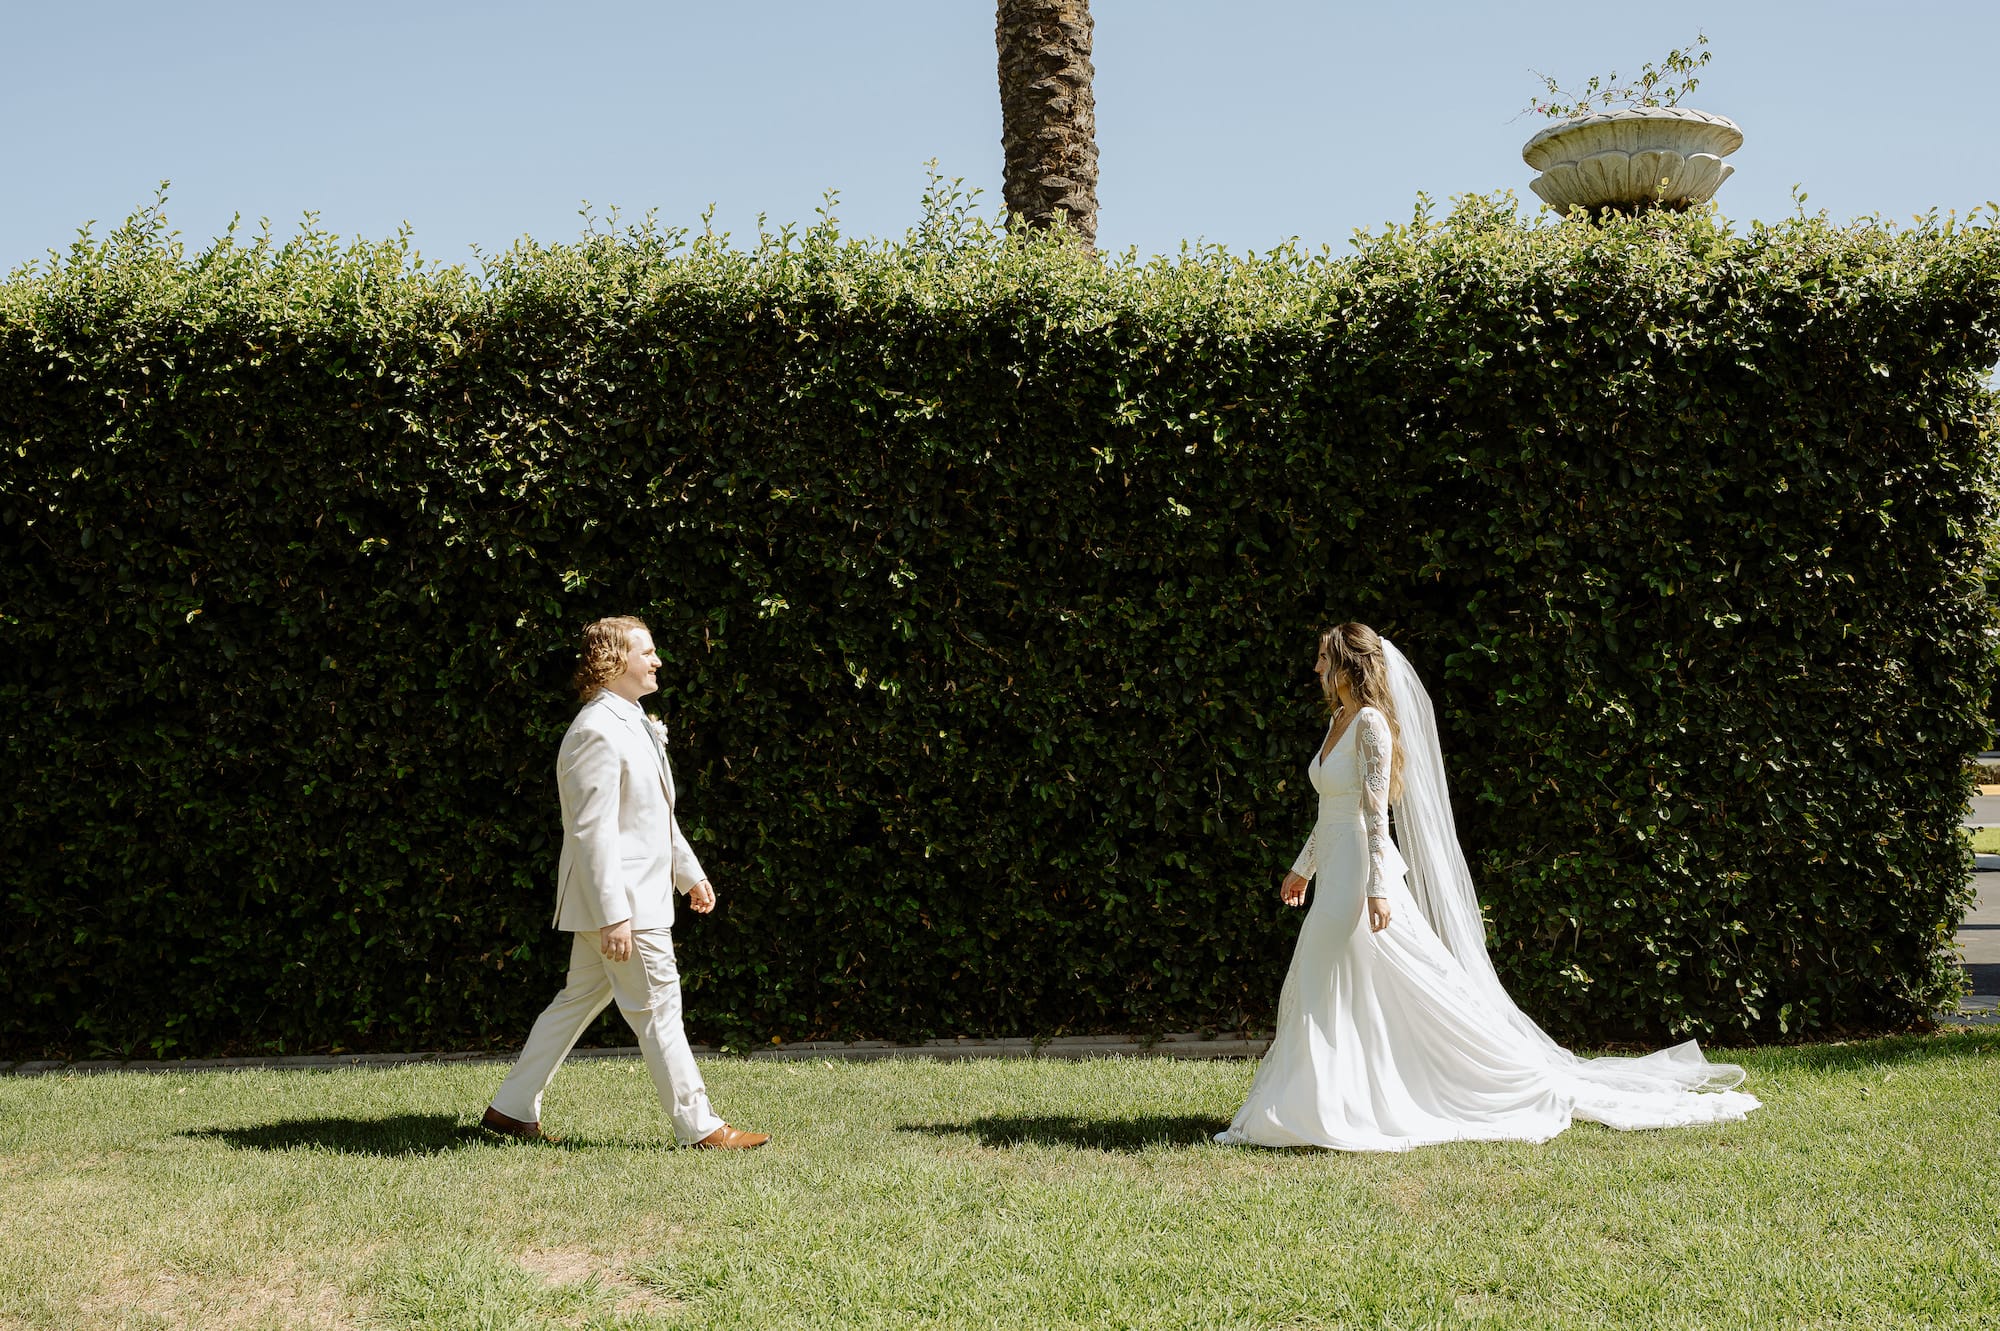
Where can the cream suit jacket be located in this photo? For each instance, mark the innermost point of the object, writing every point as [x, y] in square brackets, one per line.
[623, 855]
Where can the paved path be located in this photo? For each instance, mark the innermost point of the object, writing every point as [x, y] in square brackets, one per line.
[1979, 933]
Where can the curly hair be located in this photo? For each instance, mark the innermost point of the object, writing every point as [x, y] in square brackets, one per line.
[1356, 653]
[600, 656]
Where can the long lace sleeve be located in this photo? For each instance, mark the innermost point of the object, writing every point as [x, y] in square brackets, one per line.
[1376, 752]
[1307, 864]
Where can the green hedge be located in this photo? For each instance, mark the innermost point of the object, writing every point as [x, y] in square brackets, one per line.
[987, 576]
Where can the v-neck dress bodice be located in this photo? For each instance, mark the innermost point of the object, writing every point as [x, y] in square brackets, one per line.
[1352, 780]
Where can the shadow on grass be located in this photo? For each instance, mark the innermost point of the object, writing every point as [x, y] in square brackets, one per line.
[1087, 1134]
[1886, 1051]
[398, 1135]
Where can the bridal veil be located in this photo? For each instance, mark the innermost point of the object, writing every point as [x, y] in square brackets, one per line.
[1620, 1091]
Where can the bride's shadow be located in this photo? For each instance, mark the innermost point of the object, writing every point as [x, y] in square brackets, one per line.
[1128, 1135]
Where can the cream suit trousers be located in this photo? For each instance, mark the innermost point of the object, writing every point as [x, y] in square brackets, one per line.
[647, 987]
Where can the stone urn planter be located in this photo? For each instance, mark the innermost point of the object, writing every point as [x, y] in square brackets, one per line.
[1633, 158]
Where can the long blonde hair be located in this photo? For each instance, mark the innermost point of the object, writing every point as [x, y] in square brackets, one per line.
[1356, 653]
[600, 656]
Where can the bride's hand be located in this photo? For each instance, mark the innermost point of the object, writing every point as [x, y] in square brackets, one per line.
[1293, 890]
[1378, 914]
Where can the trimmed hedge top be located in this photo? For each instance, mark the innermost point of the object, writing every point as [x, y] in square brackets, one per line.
[988, 577]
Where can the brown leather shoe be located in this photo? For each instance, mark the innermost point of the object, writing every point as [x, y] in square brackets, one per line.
[495, 1121]
[726, 1138]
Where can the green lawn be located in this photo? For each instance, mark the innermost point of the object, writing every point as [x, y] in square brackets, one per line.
[1016, 1194]
[1986, 840]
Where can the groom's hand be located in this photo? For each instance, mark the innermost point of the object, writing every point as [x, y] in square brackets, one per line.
[616, 942]
[701, 897]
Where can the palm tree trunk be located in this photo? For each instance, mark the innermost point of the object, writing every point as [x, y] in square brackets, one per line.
[1048, 117]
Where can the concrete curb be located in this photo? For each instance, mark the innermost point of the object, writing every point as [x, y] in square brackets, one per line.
[1064, 1047]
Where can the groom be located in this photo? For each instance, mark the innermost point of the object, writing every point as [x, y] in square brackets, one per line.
[623, 857]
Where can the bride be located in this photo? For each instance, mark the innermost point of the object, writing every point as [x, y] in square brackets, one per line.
[1393, 1029]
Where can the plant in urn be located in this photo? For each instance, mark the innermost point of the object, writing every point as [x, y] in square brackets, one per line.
[1632, 146]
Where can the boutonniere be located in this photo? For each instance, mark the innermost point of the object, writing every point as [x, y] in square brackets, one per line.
[659, 729]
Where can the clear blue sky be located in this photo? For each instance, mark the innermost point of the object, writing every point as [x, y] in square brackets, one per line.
[1238, 121]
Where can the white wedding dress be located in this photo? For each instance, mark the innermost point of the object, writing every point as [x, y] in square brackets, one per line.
[1403, 1038]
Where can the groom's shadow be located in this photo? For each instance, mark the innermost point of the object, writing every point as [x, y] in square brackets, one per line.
[398, 1135]
[1138, 1133]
